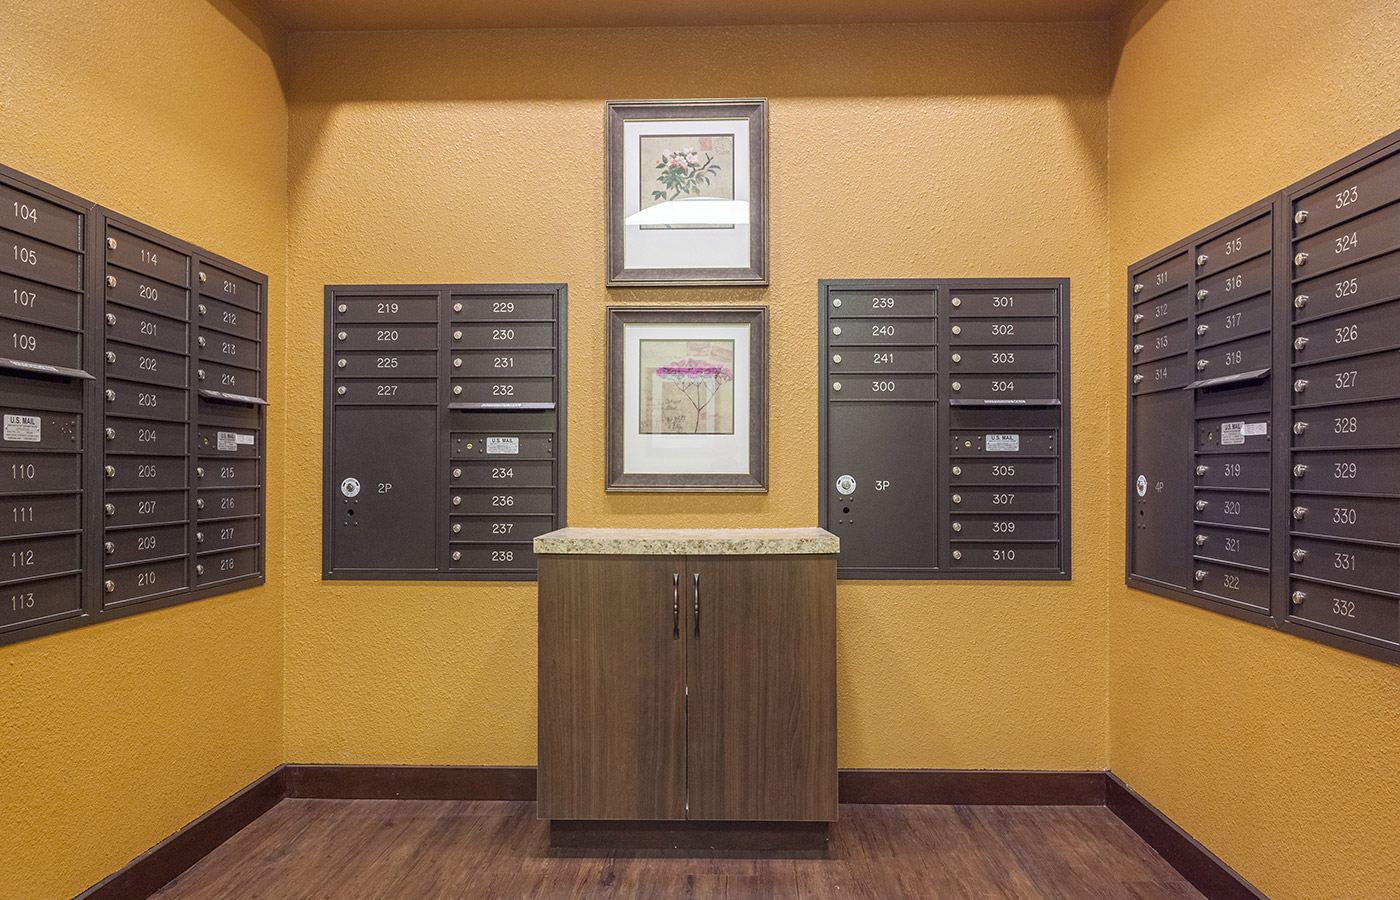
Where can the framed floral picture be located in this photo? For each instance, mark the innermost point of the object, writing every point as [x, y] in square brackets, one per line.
[687, 192]
[687, 399]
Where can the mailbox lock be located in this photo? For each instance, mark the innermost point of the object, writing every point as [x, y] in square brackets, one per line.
[199, 537]
[110, 434]
[456, 527]
[111, 281]
[1201, 470]
[836, 302]
[456, 473]
[110, 395]
[456, 555]
[1201, 364]
[111, 357]
[957, 554]
[1300, 427]
[203, 277]
[201, 374]
[457, 363]
[1300, 301]
[111, 243]
[1299, 555]
[1299, 512]
[457, 388]
[456, 307]
[110, 471]
[109, 548]
[199, 472]
[1137, 289]
[456, 335]
[199, 569]
[1299, 470]
[340, 363]
[1300, 260]
[1202, 329]
[836, 358]
[342, 308]
[1202, 504]
[1201, 260]
[111, 319]
[1202, 294]
[1137, 348]
[846, 485]
[1300, 385]
[1201, 540]
[957, 385]
[1299, 597]
[957, 329]
[957, 498]
[109, 509]
[1137, 379]
[199, 504]
[957, 357]
[1200, 574]
[1138, 318]
[836, 385]
[340, 390]
[836, 330]
[109, 586]
[957, 526]
[341, 336]
[457, 501]
[957, 470]
[203, 309]
[1300, 343]
[203, 342]
[1300, 216]
[957, 301]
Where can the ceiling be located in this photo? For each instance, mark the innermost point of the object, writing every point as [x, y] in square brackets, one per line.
[369, 15]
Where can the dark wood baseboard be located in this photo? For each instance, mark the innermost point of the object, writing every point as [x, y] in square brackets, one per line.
[348, 782]
[724, 837]
[164, 862]
[972, 788]
[1206, 871]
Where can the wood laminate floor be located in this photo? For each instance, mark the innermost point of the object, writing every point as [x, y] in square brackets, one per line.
[474, 850]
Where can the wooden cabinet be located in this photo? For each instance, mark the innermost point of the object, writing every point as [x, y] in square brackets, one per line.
[679, 687]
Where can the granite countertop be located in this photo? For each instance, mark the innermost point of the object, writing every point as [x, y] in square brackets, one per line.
[691, 541]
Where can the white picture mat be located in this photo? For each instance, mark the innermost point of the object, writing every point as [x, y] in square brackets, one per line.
[682, 454]
[697, 248]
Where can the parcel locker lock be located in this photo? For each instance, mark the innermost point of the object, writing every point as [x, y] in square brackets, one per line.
[350, 487]
[1299, 555]
[1299, 512]
[1299, 470]
[846, 485]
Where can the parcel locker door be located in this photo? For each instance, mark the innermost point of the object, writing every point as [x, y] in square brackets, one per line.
[383, 509]
[1162, 488]
[880, 495]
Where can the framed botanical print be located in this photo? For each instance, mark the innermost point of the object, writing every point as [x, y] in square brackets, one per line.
[687, 192]
[687, 393]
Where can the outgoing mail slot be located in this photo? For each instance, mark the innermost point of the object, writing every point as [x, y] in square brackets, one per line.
[38, 261]
[1336, 562]
[33, 601]
[1236, 245]
[504, 391]
[521, 501]
[238, 416]
[487, 364]
[21, 515]
[140, 255]
[32, 429]
[145, 508]
[1172, 373]
[998, 331]
[225, 565]
[503, 445]
[1357, 378]
[494, 557]
[917, 332]
[1163, 310]
[1004, 529]
[502, 473]
[145, 401]
[146, 293]
[1348, 611]
[1350, 195]
[387, 393]
[1248, 280]
[228, 443]
[1248, 355]
[144, 473]
[148, 437]
[226, 503]
[1163, 277]
[146, 330]
[132, 545]
[40, 344]
[1349, 425]
[1232, 545]
[880, 304]
[503, 336]
[211, 376]
[1351, 242]
[1231, 583]
[1355, 286]
[1005, 556]
[500, 528]
[386, 309]
[398, 365]
[1348, 471]
[1249, 432]
[37, 557]
[1251, 399]
[1004, 360]
[228, 473]
[1005, 388]
[1023, 442]
[28, 473]
[882, 387]
[231, 288]
[1161, 343]
[1234, 470]
[30, 301]
[228, 533]
[229, 350]
[1024, 471]
[385, 337]
[1354, 518]
[227, 318]
[1003, 303]
[1245, 510]
[1359, 331]
[501, 307]
[144, 364]
[1004, 499]
[143, 581]
[1234, 321]
[22, 212]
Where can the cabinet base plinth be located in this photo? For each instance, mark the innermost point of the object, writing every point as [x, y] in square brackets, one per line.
[590, 834]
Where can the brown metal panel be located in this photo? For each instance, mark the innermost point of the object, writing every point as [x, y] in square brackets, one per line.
[1368, 616]
[1374, 472]
[42, 304]
[144, 581]
[1351, 242]
[28, 473]
[33, 601]
[1233, 545]
[488, 557]
[1020, 442]
[1243, 242]
[225, 565]
[1353, 192]
[1005, 359]
[145, 401]
[227, 533]
[145, 473]
[1163, 310]
[881, 332]
[40, 344]
[503, 390]
[881, 304]
[1239, 283]
[1004, 528]
[389, 309]
[1351, 379]
[228, 473]
[491, 307]
[227, 503]
[1163, 342]
[999, 332]
[921, 388]
[25, 515]
[1006, 388]
[386, 365]
[35, 260]
[503, 499]
[1235, 470]
[500, 529]
[1357, 331]
[28, 214]
[146, 365]
[1234, 433]
[228, 349]
[1155, 280]
[142, 292]
[1232, 583]
[133, 545]
[145, 508]
[514, 363]
[1005, 556]
[229, 379]
[504, 336]
[387, 338]
[503, 473]
[1238, 508]
[964, 303]
[229, 287]
[1032, 499]
[1365, 566]
[38, 557]
[1025, 471]
[1159, 515]
[1234, 321]
[228, 318]
[502, 444]
[395, 392]
[1172, 373]
[145, 329]
[1361, 284]
[1354, 425]
[1354, 518]
[138, 254]
[1247, 355]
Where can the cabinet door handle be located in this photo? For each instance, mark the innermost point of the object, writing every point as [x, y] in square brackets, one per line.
[697, 604]
[675, 606]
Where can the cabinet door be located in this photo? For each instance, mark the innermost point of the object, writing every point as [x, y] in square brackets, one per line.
[761, 661]
[611, 689]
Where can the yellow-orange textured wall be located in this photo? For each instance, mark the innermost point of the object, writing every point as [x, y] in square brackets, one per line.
[1280, 755]
[114, 736]
[895, 151]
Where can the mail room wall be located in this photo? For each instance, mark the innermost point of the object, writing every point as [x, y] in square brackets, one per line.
[895, 151]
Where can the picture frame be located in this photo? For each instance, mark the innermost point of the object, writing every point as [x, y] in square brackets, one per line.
[687, 398]
[687, 192]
